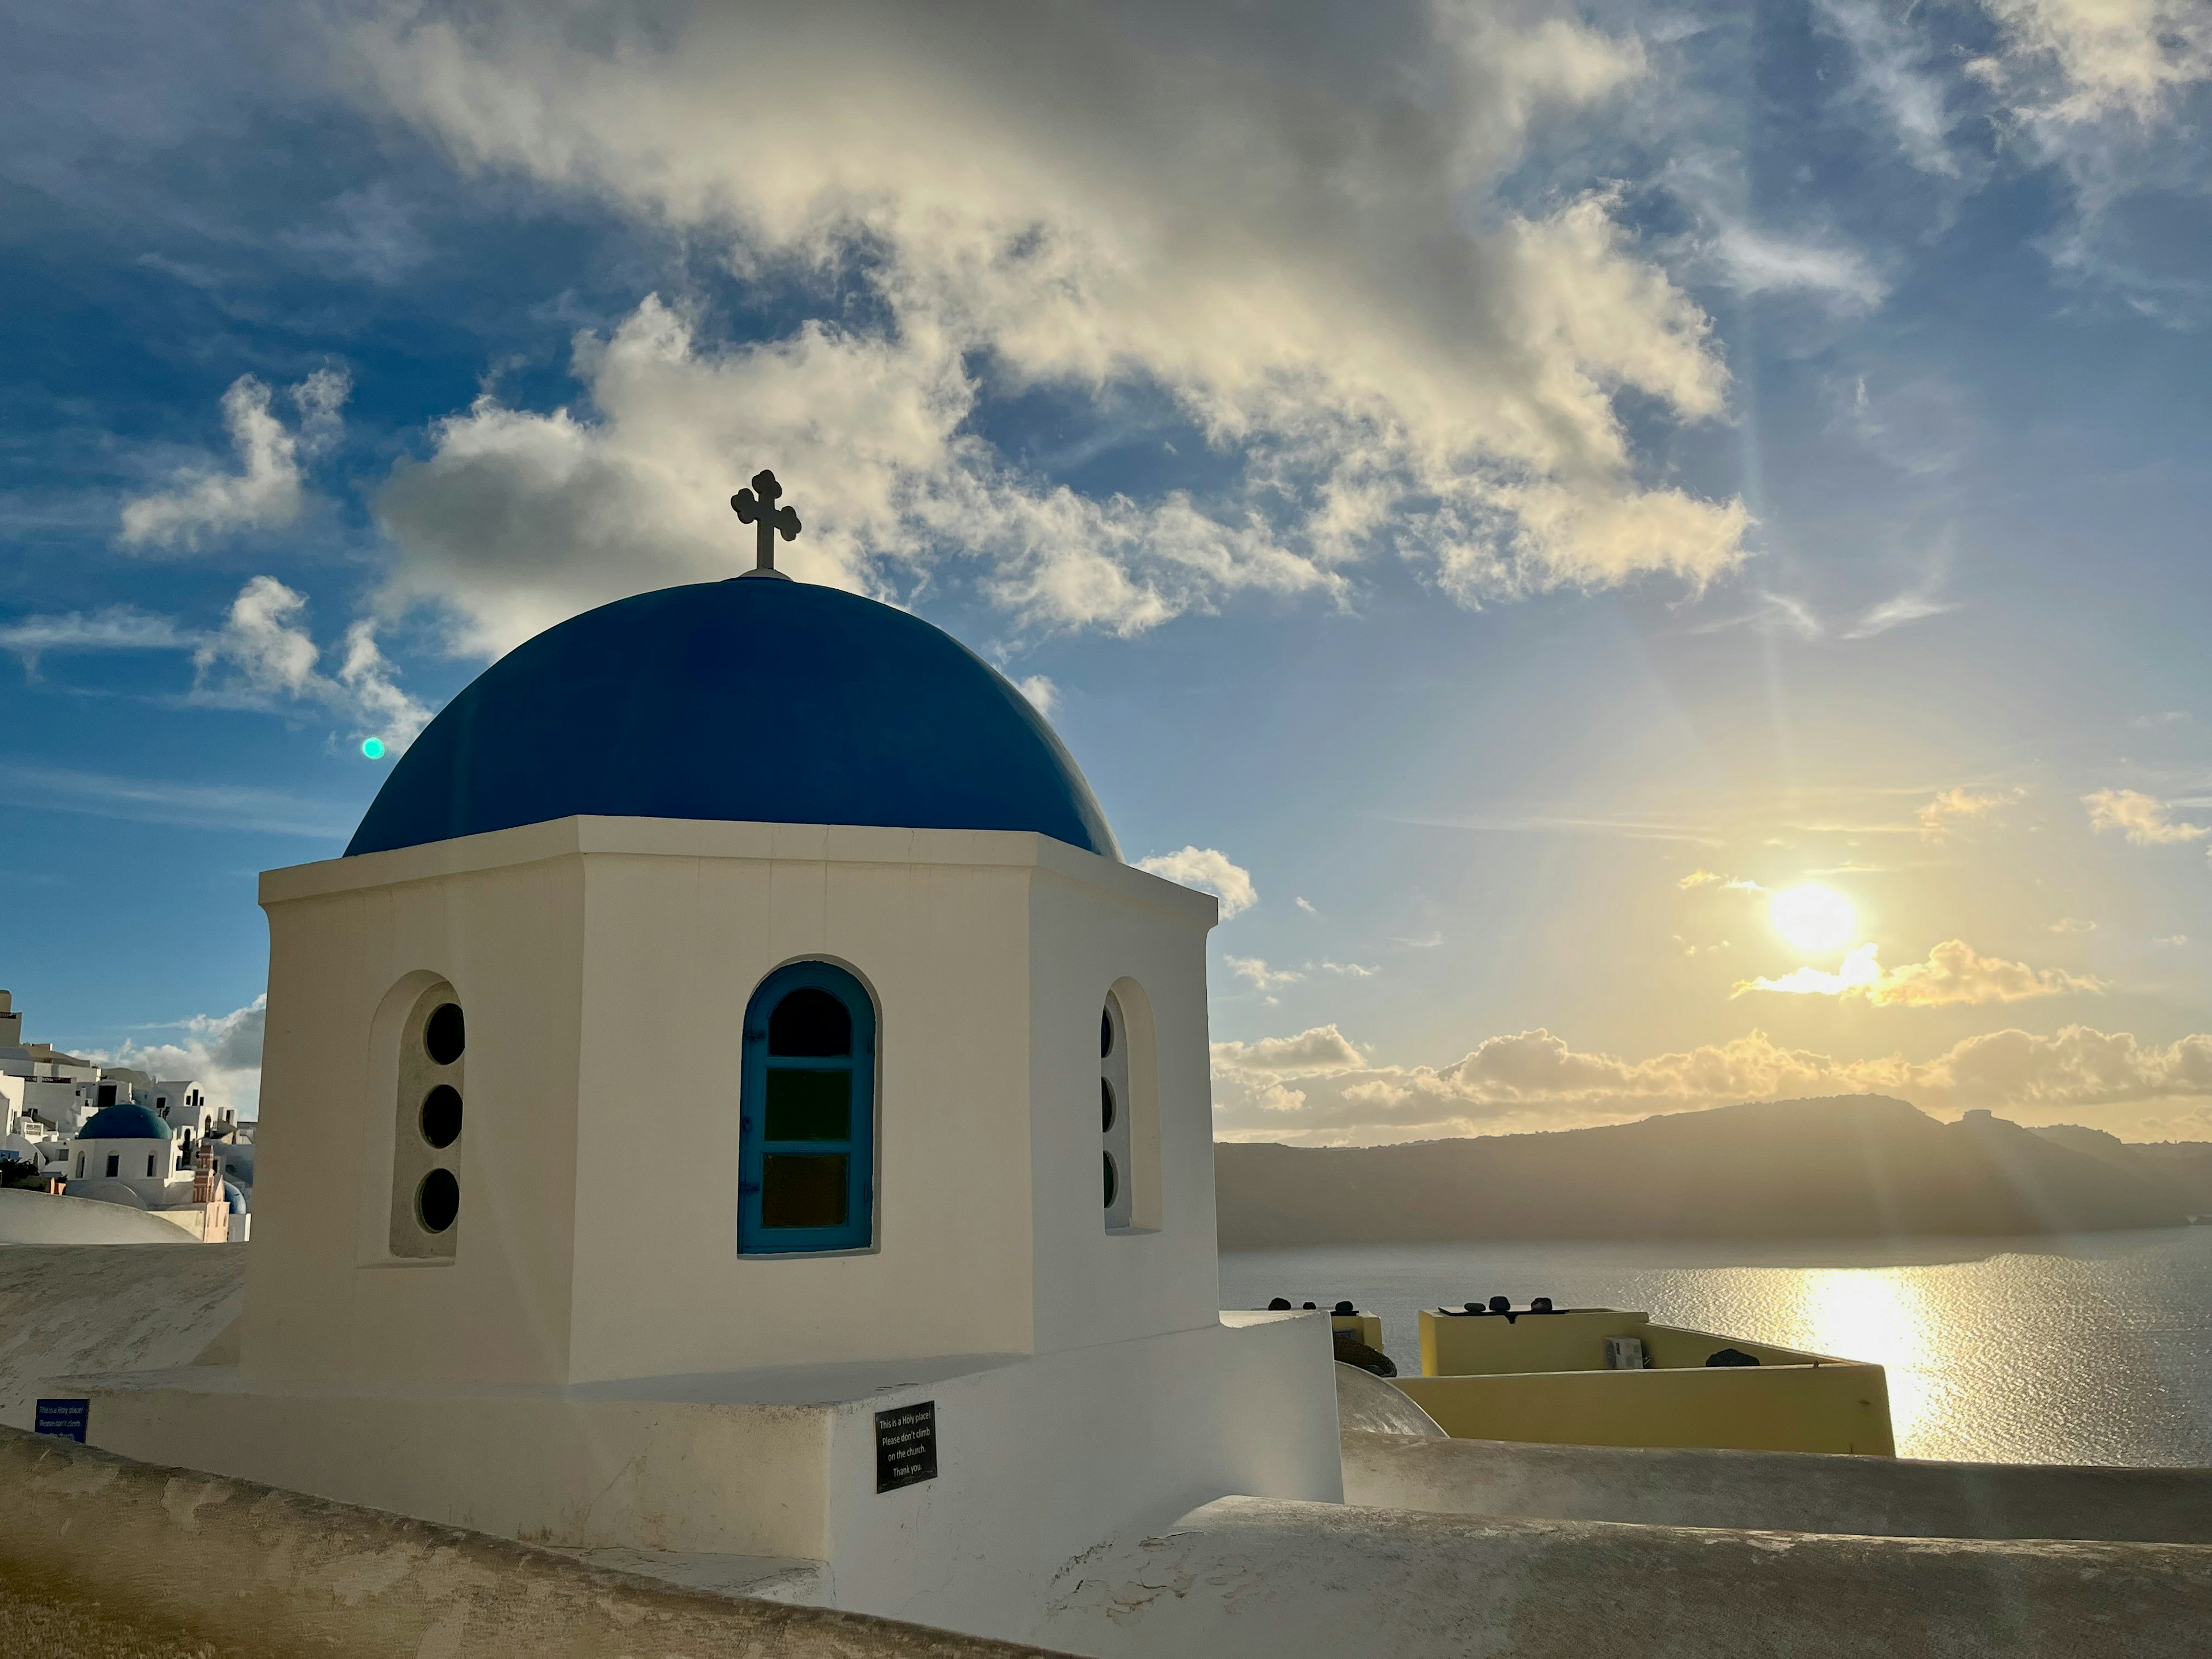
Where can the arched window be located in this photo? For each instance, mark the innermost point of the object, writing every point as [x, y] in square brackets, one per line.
[425, 1193]
[806, 1162]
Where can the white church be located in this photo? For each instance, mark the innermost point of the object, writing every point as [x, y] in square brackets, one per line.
[916, 1301]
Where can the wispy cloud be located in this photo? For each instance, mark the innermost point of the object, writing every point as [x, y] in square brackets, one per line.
[194, 806]
[114, 628]
[1256, 972]
[1912, 607]
[1954, 974]
[1704, 877]
[2143, 820]
[1896, 74]
[1959, 804]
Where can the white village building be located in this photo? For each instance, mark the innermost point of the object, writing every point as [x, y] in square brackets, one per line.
[917, 1299]
[117, 1135]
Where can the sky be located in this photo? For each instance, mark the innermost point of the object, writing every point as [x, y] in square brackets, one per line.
[1653, 555]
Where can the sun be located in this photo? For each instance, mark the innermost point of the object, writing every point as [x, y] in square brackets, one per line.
[1813, 917]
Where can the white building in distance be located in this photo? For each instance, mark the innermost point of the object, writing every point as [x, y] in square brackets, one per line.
[113, 1133]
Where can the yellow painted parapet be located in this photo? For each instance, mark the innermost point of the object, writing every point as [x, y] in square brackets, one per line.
[1545, 1378]
[1367, 1326]
[1483, 1345]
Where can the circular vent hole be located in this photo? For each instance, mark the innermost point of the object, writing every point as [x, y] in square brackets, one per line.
[438, 1201]
[1113, 1181]
[1105, 1109]
[442, 1115]
[444, 1035]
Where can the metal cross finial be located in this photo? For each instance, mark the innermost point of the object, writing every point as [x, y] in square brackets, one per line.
[757, 506]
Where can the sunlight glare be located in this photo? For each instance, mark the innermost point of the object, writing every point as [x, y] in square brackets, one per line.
[1813, 917]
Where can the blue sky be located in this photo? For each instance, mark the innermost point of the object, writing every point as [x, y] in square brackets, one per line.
[1502, 492]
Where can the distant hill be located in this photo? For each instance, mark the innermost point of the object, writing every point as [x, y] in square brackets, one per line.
[1847, 1167]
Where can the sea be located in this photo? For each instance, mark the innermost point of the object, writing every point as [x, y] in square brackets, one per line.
[2066, 1348]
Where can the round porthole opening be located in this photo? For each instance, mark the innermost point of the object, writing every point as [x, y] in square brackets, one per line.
[444, 1035]
[1105, 1033]
[1113, 1181]
[442, 1115]
[438, 1201]
[1105, 1109]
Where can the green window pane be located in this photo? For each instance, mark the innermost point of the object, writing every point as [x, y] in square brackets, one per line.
[806, 1190]
[810, 1105]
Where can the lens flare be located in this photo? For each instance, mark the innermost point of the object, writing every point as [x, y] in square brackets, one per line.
[1813, 917]
[373, 747]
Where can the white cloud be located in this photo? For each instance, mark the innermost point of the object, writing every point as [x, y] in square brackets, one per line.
[115, 628]
[2071, 924]
[1043, 694]
[2144, 820]
[1910, 606]
[1306, 905]
[1757, 261]
[264, 657]
[1322, 1049]
[1324, 273]
[1316, 1088]
[1954, 974]
[1346, 969]
[1208, 869]
[1701, 878]
[2084, 60]
[1959, 804]
[1895, 74]
[266, 493]
[1256, 972]
[222, 1052]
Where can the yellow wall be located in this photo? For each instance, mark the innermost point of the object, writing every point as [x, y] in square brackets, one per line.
[1367, 1326]
[1837, 1407]
[1471, 1346]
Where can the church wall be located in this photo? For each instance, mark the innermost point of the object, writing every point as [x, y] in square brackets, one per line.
[1094, 1286]
[325, 1298]
[936, 924]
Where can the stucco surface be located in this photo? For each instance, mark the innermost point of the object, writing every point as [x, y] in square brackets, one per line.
[1795, 1492]
[29, 1217]
[1248, 1576]
[1365, 1401]
[99, 1556]
[71, 1308]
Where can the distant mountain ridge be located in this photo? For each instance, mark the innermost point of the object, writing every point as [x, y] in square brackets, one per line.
[1848, 1166]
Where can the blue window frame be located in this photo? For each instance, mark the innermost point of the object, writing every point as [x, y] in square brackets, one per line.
[806, 1161]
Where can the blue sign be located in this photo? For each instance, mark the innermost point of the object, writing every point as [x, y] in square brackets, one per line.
[65, 1417]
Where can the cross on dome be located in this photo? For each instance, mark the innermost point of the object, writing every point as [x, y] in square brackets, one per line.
[757, 506]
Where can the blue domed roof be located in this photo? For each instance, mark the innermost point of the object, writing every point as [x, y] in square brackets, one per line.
[750, 699]
[123, 1122]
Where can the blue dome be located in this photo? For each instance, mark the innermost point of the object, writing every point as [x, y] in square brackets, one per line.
[750, 699]
[123, 1122]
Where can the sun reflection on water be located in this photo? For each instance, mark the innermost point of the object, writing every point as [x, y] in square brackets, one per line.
[1876, 1314]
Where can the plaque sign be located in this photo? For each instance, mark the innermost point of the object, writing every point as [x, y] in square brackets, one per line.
[906, 1446]
[67, 1418]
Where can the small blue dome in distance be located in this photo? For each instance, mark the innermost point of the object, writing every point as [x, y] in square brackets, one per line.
[751, 700]
[123, 1122]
